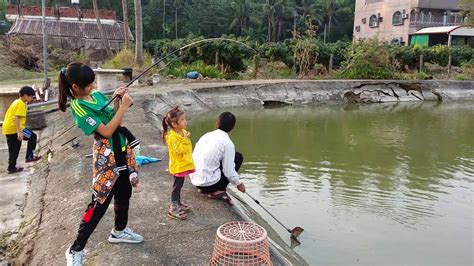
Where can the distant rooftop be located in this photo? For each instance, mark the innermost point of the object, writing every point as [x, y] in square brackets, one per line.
[453, 30]
[70, 29]
[61, 13]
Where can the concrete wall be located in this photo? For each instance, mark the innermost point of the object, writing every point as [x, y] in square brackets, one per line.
[260, 93]
[5, 100]
[386, 31]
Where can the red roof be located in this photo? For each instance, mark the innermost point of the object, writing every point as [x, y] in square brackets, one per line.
[65, 12]
[76, 29]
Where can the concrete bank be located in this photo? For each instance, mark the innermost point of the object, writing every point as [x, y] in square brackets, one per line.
[201, 97]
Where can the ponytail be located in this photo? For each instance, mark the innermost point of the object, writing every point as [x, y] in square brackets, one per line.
[75, 73]
[168, 119]
[165, 125]
[64, 90]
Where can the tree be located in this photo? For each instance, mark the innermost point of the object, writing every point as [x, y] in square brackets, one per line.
[330, 9]
[312, 9]
[101, 30]
[125, 23]
[468, 9]
[164, 18]
[138, 33]
[177, 5]
[270, 12]
[242, 15]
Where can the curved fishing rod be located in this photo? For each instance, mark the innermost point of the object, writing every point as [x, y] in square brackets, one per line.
[172, 53]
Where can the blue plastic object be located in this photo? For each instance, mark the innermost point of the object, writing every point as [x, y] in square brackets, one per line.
[144, 160]
[192, 75]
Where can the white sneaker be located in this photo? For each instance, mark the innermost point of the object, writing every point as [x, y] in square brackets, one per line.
[126, 236]
[74, 258]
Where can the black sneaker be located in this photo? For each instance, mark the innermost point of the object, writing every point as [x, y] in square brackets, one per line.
[15, 170]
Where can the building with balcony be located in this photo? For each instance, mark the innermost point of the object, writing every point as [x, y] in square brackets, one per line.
[395, 21]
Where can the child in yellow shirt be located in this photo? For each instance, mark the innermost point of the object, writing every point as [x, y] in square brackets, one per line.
[181, 162]
[14, 129]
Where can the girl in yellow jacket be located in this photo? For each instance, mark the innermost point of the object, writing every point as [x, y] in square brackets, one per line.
[181, 162]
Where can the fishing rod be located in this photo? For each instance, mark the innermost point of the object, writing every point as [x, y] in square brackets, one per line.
[295, 232]
[172, 53]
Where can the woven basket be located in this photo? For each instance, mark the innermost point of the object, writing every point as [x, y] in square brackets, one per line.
[241, 243]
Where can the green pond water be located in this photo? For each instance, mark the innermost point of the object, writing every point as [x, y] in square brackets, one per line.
[382, 184]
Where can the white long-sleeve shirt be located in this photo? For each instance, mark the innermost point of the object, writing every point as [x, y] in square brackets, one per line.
[211, 149]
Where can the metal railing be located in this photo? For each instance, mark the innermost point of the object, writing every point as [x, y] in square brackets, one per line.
[426, 24]
[42, 104]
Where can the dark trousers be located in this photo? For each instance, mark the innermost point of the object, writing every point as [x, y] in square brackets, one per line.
[122, 191]
[14, 146]
[223, 182]
[176, 192]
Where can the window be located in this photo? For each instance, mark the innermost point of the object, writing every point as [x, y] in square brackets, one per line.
[397, 18]
[413, 16]
[373, 21]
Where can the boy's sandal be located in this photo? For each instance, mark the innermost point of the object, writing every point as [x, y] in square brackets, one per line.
[177, 214]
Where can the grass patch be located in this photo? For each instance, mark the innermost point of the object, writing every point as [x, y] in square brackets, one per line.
[15, 76]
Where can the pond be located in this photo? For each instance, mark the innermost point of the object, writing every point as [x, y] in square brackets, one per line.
[381, 184]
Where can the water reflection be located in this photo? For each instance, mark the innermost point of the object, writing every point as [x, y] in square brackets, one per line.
[397, 163]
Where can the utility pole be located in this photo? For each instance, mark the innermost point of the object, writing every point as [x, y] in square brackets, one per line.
[45, 44]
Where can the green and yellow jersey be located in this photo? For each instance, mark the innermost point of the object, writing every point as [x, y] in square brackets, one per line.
[88, 116]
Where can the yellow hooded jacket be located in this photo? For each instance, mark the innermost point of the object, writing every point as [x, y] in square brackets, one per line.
[180, 152]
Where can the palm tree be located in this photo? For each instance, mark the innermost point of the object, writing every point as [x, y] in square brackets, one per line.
[138, 33]
[177, 4]
[315, 11]
[284, 14]
[330, 10]
[164, 18]
[125, 23]
[101, 30]
[270, 11]
[242, 17]
[334, 9]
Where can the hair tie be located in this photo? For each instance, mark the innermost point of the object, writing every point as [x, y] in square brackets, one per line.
[63, 71]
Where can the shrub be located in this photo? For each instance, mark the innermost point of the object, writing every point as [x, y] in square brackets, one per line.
[59, 58]
[368, 59]
[276, 51]
[180, 70]
[230, 53]
[337, 49]
[462, 55]
[125, 58]
[402, 56]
